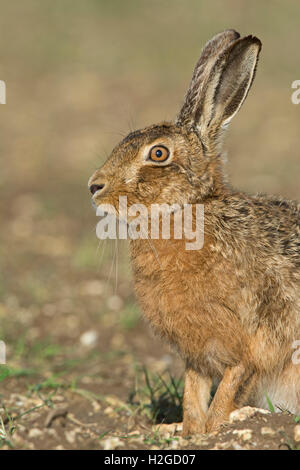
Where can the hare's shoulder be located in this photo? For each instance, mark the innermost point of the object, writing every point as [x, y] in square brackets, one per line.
[280, 222]
[268, 223]
[242, 206]
[278, 205]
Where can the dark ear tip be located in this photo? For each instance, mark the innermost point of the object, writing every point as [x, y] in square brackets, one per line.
[235, 33]
[253, 40]
[230, 34]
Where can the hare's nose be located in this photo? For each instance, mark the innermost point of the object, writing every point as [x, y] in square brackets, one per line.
[96, 187]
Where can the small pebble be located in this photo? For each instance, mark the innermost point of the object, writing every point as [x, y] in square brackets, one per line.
[266, 431]
[35, 432]
[244, 413]
[115, 303]
[243, 434]
[112, 443]
[89, 338]
[297, 433]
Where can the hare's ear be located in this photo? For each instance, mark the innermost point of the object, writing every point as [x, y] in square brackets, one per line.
[226, 86]
[209, 55]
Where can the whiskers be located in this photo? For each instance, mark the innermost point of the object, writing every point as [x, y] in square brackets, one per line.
[109, 262]
[114, 265]
[102, 245]
[102, 255]
[151, 246]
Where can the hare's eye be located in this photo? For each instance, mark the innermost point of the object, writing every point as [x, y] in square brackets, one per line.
[159, 153]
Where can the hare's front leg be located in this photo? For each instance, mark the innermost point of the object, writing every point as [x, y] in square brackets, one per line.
[232, 393]
[195, 402]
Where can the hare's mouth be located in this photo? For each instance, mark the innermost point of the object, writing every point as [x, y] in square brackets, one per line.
[94, 205]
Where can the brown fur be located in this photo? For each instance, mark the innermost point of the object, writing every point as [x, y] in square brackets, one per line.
[231, 309]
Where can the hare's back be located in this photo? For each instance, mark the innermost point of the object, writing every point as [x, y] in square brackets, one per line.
[279, 221]
[266, 225]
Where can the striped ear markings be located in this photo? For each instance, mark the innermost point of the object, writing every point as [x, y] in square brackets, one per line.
[222, 85]
[209, 55]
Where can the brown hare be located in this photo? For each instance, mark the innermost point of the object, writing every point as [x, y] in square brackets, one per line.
[231, 309]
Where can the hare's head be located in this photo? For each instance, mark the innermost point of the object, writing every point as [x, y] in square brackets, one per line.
[180, 162]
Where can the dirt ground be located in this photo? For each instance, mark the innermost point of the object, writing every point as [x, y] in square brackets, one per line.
[83, 370]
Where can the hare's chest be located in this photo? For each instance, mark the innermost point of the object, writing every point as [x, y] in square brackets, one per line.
[169, 292]
[168, 309]
[178, 316]
[184, 303]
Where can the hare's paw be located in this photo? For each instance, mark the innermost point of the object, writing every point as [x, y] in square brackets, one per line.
[212, 425]
[192, 426]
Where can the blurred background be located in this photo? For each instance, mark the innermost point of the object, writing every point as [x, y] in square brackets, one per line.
[79, 76]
